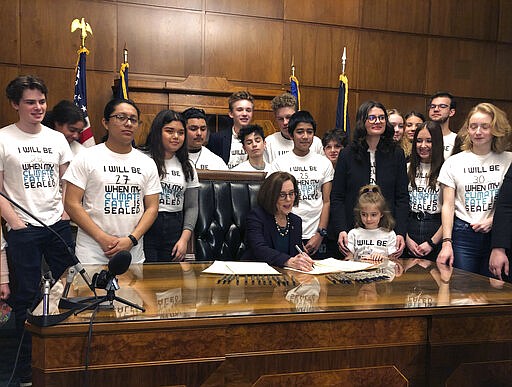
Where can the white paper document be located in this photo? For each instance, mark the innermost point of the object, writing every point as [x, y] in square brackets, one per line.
[332, 265]
[241, 268]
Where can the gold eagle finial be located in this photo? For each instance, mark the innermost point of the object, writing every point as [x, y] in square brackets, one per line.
[83, 26]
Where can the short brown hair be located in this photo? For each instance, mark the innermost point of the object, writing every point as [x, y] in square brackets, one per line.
[268, 194]
[18, 85]
[283, 100]
[238, 96]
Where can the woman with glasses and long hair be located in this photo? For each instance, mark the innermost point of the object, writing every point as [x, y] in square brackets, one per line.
[168, 237]
[273, 233]
[424, 231]
[471, 181]
[372, 158]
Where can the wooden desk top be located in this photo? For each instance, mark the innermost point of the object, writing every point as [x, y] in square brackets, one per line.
[180, 295]
[427, 325]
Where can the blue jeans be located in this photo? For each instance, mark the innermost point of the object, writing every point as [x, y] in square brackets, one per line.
[26, 248]
[422, 227]
[471, 249]
[160, 239]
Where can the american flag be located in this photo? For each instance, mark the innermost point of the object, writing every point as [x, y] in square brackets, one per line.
[80, 98]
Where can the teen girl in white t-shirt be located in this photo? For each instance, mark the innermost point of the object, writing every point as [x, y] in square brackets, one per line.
[168, 237]
[424, 231]
[471, 181]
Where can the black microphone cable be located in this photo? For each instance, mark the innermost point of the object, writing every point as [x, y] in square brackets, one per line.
[82, 271]
[88, 347]
[16, 359]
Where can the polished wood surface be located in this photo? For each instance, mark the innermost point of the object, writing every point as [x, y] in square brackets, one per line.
[398, 52]
[422, 326]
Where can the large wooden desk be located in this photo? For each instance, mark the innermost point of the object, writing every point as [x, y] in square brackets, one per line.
[413, 330]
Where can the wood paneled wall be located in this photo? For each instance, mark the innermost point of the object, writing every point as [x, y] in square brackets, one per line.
[398, 52]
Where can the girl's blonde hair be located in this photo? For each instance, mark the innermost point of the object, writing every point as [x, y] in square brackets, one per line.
[371, 194]
[501, 130]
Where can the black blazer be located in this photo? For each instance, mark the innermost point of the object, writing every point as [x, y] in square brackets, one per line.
[220, 144]
[502, 222]
[261, 233]
[351, 174]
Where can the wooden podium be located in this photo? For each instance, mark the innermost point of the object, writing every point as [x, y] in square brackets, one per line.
[422, 328]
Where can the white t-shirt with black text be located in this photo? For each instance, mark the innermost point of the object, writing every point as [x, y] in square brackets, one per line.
[448, 143]
[206, 159]
[423, 198]
[312, 172]
[114, 187]
[247, 167]
[31, 167]
[477, 181]
[174, 186]
[237, 153]
[277, 145]
[363, 242]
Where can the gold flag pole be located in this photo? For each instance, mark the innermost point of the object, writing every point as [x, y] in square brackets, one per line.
[84, 27]
[293, 66]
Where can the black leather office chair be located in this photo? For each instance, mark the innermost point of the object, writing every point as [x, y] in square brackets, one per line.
[225, 198]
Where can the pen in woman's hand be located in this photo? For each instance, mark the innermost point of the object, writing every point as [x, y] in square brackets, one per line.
[304, 254]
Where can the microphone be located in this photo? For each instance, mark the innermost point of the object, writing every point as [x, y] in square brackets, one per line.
[69, 281]
[120, 263]
[76, 262]
[117, 265]
[106, 279]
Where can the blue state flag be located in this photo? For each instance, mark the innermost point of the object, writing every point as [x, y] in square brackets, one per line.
[294, 89]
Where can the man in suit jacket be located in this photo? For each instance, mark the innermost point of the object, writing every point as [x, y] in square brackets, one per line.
[226, 144]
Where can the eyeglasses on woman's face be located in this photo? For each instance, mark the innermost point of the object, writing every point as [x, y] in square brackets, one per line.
[372, 119]
[123, 119]
[284, 195]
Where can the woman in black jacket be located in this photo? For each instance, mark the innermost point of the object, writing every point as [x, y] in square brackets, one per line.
[273, 232]
[371, 158]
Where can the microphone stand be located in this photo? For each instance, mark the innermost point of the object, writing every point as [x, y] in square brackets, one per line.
[111, 288]
[48, 320]
[106, 279]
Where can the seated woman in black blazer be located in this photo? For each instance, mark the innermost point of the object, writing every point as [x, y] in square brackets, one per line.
[272, 230]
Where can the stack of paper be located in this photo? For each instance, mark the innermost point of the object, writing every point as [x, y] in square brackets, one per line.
[241, 268]
[332, 265]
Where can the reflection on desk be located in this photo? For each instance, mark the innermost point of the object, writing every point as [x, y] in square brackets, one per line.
[180, 290]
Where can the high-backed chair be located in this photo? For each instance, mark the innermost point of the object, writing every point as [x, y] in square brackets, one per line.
[225, 198]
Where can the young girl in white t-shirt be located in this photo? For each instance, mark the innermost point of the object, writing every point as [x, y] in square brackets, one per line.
[373, 238]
